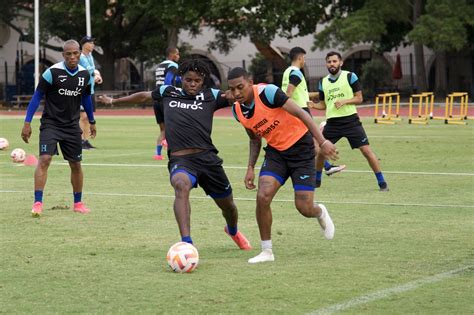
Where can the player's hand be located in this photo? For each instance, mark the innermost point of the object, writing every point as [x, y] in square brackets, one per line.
[26, 132]
[339, 104]
[104, 99]
[329, 150]
[250, 178]
[229, 96]
[97, 77]
[93, 131]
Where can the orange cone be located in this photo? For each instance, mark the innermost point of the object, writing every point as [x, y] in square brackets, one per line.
[30, 160]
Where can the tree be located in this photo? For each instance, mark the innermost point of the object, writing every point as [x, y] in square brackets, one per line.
[444, 28]
[262, 21]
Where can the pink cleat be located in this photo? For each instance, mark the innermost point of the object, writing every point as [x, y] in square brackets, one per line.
[80, 207]
[37, 209]
[158, 157]
[164, 143]
[240, 240]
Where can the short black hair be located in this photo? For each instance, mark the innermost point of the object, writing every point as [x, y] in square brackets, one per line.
[237, 72]
[195, 65]
[333, 53]
[295, 52]
[170, 50]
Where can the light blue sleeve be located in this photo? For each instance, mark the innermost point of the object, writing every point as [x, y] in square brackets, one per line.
[297, 73]
[270, 91]
[48, 76]
[354, 78]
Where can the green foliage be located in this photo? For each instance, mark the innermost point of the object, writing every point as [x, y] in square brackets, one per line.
[444, 26]
[262, 21]
[375, 74]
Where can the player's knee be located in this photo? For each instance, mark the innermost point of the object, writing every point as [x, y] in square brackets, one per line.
[44, 161]
[305, 208]
[264, 197]
[181, 186]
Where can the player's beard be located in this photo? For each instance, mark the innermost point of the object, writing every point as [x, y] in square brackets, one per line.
[334, 70]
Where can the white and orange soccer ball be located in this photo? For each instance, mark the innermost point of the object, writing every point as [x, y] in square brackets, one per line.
[3, 143]
[18, 155]
[182, 257]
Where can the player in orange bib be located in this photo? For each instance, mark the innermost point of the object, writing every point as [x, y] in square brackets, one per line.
[267, 112]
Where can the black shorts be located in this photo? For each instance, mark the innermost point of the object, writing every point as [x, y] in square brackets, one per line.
[159, 114]
[93, 104]
[349, 127]
[69, 141]
[296, 162]
[206, 168]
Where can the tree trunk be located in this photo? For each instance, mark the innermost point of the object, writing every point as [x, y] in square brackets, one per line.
[419, 52]
[441, 80]
[173, 37]
[107, 63]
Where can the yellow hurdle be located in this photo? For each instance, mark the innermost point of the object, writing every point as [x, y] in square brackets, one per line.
[387, 117]
[456, 119]
[425, 104]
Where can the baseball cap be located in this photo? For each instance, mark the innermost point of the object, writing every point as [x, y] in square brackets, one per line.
[87, 39]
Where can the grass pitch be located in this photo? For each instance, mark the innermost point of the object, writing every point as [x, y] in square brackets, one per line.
[406, 251]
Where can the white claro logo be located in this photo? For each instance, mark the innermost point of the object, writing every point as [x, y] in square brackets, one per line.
[70, 92]
[193, 106]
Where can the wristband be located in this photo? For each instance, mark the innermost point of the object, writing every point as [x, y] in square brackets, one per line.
[92, 122]
[324, 142]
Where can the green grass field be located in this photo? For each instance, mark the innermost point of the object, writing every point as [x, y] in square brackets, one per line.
[406, 251]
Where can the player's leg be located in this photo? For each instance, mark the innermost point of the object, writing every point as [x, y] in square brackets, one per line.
[375, 165]
[71, 149]
[332, 133]
[182, 183]
[358, 140]
[159, 117]
[329, 168]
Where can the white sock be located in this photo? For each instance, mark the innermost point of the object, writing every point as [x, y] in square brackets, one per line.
[266, 244]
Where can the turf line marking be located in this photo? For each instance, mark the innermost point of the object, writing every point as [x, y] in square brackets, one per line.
[391, 204]
[244, 168]
[382, 294]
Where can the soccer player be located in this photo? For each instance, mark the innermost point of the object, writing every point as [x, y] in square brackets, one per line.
[266, 111]
[166, 73]
[339, 93]
[87, 61]
[294, 85]
[66, 85]
[193, 159]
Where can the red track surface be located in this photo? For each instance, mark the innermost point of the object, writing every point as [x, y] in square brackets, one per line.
[226, 112]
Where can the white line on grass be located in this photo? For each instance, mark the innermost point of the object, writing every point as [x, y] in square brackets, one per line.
[382, 294]
[274, 200]
[244, 168]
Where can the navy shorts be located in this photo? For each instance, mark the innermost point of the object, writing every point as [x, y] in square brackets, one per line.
[69, 141]
[206, 171]
[349, 127]
[159, 114]
[296, 162]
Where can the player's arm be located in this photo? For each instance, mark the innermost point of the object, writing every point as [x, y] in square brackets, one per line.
[255, 144]
[89, 109]
[327, 147]
[43, 86]
[321, 105]
[135, 98]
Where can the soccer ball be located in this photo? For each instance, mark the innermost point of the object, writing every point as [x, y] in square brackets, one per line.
[18, 155]
[182, 257]
[3, 143]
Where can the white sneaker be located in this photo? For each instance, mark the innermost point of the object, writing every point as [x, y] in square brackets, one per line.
[264, 256]
[325, 221]
[335, 169]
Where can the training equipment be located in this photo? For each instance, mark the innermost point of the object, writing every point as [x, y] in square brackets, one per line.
[425, 104]
[30, 160]
[80, 207]
[265, 256]
[325, 221]
[37, 209]
[182, 257]
[239, 239]
[18, 155]
[387, 116]
[451, 118]
[3, 143]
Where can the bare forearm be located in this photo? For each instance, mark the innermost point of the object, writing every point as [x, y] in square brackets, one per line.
[254, 151]
[136, 98]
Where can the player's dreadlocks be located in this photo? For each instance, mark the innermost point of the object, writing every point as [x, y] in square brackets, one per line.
[195, 65]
